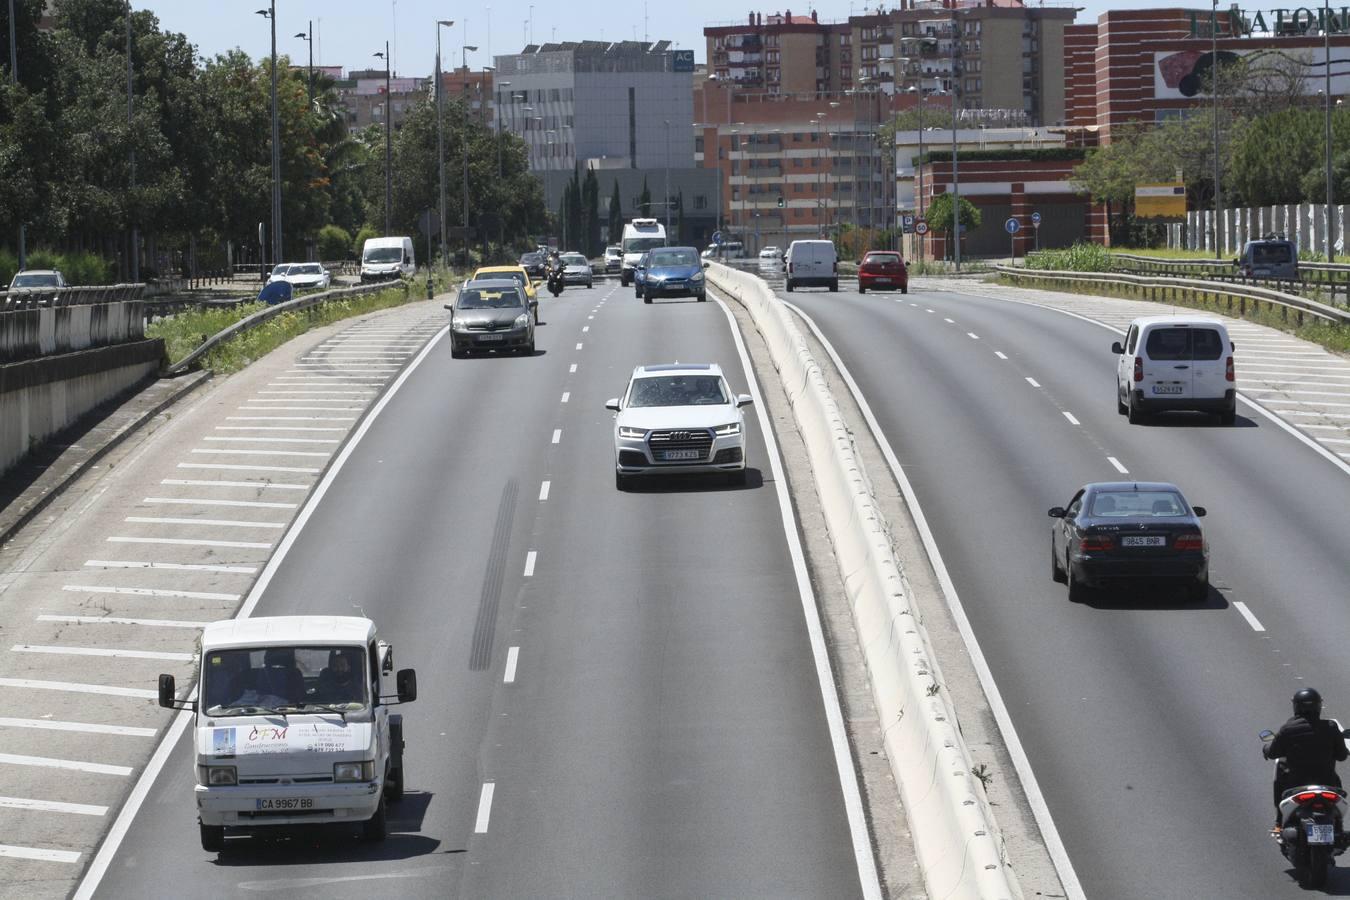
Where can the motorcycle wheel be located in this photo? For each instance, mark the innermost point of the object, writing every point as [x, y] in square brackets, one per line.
[1313, 873]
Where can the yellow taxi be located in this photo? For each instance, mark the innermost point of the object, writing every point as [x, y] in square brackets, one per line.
[517, 273]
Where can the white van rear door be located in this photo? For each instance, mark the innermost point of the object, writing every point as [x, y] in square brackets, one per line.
[1209, 362]
[1167, 362]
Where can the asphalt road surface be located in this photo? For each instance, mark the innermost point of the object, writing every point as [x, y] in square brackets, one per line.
[629, 672]
[1138, 710]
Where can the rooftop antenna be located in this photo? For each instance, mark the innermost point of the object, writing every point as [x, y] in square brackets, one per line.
[318, 42]
[646, 35]
[393, 49]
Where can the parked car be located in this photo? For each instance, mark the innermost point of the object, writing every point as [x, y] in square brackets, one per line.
[812, 263]
[673, 272]
[882, 269]
[613, 258]
[491, 315]
[1175, 363]
[310, 276]
[29, 279]
[576, 269]
[1269, 257]
[279, 272]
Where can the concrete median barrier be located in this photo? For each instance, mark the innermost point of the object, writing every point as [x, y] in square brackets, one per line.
[956, 839]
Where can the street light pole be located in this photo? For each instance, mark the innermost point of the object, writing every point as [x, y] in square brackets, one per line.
[309, 72]
[1214, 95]
[956, 175]
[134, 257]
[14, 79]
[440, 136]
[1326, 116]
[464, 140]
[667, 121]
[271, 15]
[388, 138]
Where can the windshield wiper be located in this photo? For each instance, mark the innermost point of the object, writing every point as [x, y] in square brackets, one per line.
[250, 710]
[327, 708]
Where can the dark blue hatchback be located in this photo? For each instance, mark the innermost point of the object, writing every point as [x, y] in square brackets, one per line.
[672, 272]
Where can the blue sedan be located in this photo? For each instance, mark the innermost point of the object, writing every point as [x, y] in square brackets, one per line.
[671, 272]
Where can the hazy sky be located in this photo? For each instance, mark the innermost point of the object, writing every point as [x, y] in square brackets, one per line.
[347, 32]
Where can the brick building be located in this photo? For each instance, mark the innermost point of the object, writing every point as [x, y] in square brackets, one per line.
[362, 97]
[474, 86]
[781, 53]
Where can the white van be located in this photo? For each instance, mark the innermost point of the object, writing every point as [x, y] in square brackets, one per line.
[1175, 362]
[639, 236]
[292, 726]
[812, 263]
[387, 258]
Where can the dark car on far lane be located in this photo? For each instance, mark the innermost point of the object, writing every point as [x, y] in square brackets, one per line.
[1129, 532]
[534, 263]
[672, 272]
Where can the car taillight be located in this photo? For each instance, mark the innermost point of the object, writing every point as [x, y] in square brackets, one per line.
[1190, 542]
[1092, 542]
[1228, 370]
[1138, 369]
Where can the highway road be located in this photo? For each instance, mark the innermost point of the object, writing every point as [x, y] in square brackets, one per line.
[617, 690]
[1139, 711]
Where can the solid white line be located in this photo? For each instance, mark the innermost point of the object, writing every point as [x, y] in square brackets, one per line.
[543, 490]
[1021, 762]
[218, 523]
[242, 468]
[529, 563]
[183, 567]
[512, 657]
[480, 825]
[112, 653]
[194, 501]
[1119, 468]
[578, 346]
[999, 355]
[226, 451]
[37, 853]
[972, 335]
[79, 809]
[81, 727]
[557, 435]
[566, 396]
[1072, 421]
[74, 688]
[73, 765]
[1032, 381]
[121, 620]
[278, 428]
[108, 849]
[184, 542]
[573, 367]
[829, 689]
[1247, 614]
[148, 592]
[272, 440]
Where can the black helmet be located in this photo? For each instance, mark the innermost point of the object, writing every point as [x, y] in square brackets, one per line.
[1308, 704]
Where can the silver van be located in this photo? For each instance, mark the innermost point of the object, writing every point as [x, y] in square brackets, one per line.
[1175, 362]
[1270, 257]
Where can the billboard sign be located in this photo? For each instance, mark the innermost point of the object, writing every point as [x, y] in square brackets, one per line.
[1160, 201]
[683, 61]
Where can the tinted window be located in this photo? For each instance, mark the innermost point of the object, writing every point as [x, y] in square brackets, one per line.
[573, 259]
[677, 390]
[1169, 343]
[1133, 504]
[673, 258]
[1272, 254]
[1130, 341]
[531, 259]
[488, 299]
[34, 281]
[882, 258]
[1206, 343]
[280, 677]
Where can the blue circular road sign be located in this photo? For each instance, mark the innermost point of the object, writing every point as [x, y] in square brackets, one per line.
[1012, 226]
[1035, 220]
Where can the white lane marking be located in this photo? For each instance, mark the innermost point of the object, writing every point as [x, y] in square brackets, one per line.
[80, 727]
[228, 452]
[217, 523]
[972, 335]
[1318, 371]
[1289, 391]
[179, 567]
[184, 542]
[557, 435]
[37, 853]
[829, 688]
[1319, 415]
[1319, 404]
[1072, 421]
[72, 765]
[1021, 762]
[305, 428]
[1320, 427]
[290, 419]
[928, 310]
[270, 485]
[567, 395]
[113, 841]
[543, 490]
[590, 317]
[480, 825]
[1119, 468]
[198, 501]
[512, 657]
[572, 368]
[271, 440]
[306, 400]
[585, 328]
[327, 409]
[122, 620]
[110, 652]
[1033, 382]
[1252, 620]
[950, 321]
[1000, 355]
[79, 809]
[578, 346]
[148, 592]
[1323, 440]
[228, 467]
[529, 562]
[75, 688]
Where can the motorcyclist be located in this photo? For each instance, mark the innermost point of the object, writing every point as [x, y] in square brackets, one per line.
[1307, 748]
[555, 272]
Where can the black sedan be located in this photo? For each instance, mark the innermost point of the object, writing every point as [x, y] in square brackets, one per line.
[535, 263]
[1120, 532]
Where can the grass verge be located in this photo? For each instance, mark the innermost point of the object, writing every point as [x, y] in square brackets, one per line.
[185, 332]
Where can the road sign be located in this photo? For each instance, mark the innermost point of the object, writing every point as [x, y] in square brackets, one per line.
[1160, 201]
[920, 227]
[907, 224]
[1012, 226]
[1036, 220]
[717, 237]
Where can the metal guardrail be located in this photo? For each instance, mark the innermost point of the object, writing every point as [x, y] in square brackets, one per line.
[38, 298]
[1163, 290]
[1332, 278]
[263, 315]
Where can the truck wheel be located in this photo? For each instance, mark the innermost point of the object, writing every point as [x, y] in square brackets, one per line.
[213, 838]
[834, 286]
[394, 782]
[376, 828]
[789, 285]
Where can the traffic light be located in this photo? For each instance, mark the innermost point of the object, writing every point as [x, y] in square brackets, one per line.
[780, 203]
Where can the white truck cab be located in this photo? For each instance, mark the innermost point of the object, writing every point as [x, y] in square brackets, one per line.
[387, 259]
[639, 236]
[292, 726]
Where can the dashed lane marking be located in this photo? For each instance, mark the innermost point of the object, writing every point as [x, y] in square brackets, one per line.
[1119, 468]
[148, 592]
[572, 368]
[270, 440]
[1033, 382]
[37, 853]
[1247, 614]
[1068, 415]
[512, 657]
[999, 354]
[480, 825]
[243, 468]
[567, 395]
[79, 809]
[121, 620]
[543, 490]
[557, 435]
[217, 523]
[185, 542]
[198, 501]
[529, 562]
[183, 567]
[228, 452]
[972, 335]
[73, 765]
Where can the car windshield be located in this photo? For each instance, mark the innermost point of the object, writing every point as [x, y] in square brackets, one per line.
[1166, 344]
[531, 259]
[677, 390]
[384, 254]
[284, 678]
[281, 270]
[640, 244]
[310, 269]
[35, 280]
[672, 258]
[574, 259]
[1271, 254]
[485, 299]
[613, 250]
[1134, 504]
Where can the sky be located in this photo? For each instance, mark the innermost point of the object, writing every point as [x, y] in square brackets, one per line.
[347, 32]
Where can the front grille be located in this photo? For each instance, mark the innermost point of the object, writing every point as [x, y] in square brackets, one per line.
[699, 439]
[298, 779]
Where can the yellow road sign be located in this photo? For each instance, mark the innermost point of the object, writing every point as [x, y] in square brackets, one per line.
[1160, 201]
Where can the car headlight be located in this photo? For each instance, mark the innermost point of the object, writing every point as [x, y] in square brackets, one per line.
[217, 776]
[635, 433]
[724, 430]
[457, 324]
[354, 771]
[522, 320]
[697, 276]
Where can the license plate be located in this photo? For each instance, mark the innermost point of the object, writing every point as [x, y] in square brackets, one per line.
[1321, 834]
[1143, 541]
[681, 454]
[486, 338]
[284, 803]
[1167, 389]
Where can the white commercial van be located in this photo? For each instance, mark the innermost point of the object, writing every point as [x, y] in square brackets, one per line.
[1175, 362]
[292, 725]
[639, 236]
[812, 263]
[387, 258]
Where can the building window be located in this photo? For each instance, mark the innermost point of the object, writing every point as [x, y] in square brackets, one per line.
[845, 40]
[700, 201]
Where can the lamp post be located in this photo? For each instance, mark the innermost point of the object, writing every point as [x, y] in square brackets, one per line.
[1326, 117]
[440, 138]
[956, 174]
[1214, 96]
[309, 39]
[14, 79]
[464, 141]
[271, 15]
[497, 120]
[831, 204]
[134, 257]
[388, 139]
[820, 174]
[667, 198]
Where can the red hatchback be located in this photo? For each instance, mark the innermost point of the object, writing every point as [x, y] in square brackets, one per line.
[883, 269]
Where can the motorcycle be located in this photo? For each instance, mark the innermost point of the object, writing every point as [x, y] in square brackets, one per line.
[1311, 830]
[555, 280]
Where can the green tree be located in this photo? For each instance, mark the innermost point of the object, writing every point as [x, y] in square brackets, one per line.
[940, 218]
[679, 218]
[645, 199]
[334, 243]
[590, 202]
[615, 215]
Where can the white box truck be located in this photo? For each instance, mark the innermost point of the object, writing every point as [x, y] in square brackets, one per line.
[639, 236]
[387, 258]
[293, 726]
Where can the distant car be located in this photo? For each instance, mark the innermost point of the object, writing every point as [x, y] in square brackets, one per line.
[882, 270]
[1269, 257]
[279, 273]
[536, 264]
[613, 258]
[812, 263]
[1129, 532]
[491, 315]
[1175, 363]
[673, 272]
[771, 252]
[30, 279]
[678, 419]
[516, 274]
[309, 276]
[577, 269]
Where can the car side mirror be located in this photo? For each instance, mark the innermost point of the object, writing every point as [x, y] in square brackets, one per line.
[706, 264]
[613, 404]
[1117, 349]
[1232, 346]
[450, 306]
[1267, 736]
[167, 692]
[1056, 512]
[1200, 511]
[407, 685]
[743, 400]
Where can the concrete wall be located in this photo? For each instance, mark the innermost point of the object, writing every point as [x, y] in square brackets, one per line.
[30, 333]
[40, 397]
[1302, 223]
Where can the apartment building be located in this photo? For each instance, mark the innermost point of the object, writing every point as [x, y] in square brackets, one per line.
[364, 101]
[781, 53]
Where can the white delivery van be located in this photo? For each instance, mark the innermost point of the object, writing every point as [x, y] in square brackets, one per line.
[639, 236]
[1175, 362]
[812, 263]
[387, 258]
[293, 727]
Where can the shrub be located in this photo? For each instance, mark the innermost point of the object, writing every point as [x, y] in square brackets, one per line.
[1081, 257]
[362, 236]
[77, 268]
[9, 264]
[334, 243]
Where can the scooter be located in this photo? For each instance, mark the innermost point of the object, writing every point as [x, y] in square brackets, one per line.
[555, 280]
[1311, 830]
